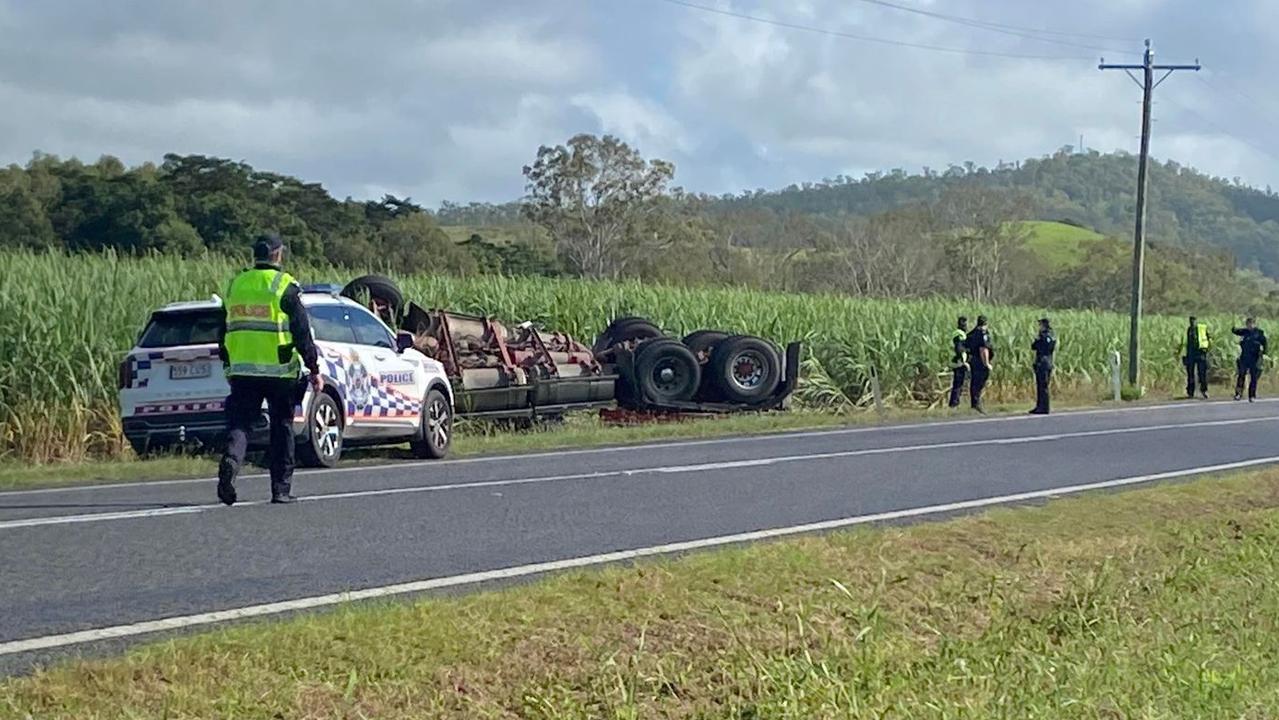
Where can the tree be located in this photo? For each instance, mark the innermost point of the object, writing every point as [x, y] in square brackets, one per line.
[982, 230]
[593, 196]
[23, 221]
[413, 243]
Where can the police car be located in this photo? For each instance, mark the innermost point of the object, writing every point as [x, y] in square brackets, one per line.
[378, 390]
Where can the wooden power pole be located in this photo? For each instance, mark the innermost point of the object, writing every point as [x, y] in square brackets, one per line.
[1148, 85]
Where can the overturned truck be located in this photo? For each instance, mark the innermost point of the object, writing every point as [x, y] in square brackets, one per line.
[523, 372]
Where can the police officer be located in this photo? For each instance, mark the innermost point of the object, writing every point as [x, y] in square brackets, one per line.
[980, 359]
[1252, 346]
[265, 332]
[959, 360]
[1044, 346]
[1194, 355]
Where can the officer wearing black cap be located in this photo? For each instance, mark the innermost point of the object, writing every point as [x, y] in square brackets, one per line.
[981, 356]
[265, 335]
[1044, 346]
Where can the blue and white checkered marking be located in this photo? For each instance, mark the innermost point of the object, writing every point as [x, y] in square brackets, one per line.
[366, 396]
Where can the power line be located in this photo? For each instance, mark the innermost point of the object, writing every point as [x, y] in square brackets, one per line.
[1014, 30]
[1221, 130]
[1257, 105]
[868, 38]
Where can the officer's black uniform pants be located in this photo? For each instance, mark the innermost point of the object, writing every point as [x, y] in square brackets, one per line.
[1196, 364]
[1043, 374]
[980, 375]
[1253, 370]
[244, 407]
[957, 386]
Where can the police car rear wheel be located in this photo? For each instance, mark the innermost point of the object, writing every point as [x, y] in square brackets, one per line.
[144, 449]
[323, 444]
[435, 432]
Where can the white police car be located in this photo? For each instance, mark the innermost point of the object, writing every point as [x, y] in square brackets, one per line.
[378, 390]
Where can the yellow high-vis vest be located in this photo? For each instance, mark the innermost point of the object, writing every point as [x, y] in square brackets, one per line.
[960, 360]
[1201, 329]
[258, 342]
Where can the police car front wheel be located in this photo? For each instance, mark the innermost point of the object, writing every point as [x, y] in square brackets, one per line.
[435, 428]
[322, 446]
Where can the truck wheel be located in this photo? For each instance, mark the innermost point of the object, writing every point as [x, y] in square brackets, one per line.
[378, 288]
[435, 429]
[745, 369]
[627, 320]
[634, 329]
[666, 371]
[702, 342]
[322, 444]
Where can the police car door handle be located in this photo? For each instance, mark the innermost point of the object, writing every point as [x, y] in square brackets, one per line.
[378, 357]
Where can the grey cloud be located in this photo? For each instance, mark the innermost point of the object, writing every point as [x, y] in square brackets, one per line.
[448, 98]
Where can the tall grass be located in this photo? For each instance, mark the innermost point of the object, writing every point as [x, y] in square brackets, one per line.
[66, 321]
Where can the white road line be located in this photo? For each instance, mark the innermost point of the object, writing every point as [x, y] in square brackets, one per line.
[751, 437]
[48, 642]
[628, 473]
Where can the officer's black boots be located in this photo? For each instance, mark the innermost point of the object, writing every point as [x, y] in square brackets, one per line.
[226, 481]
[283, 499]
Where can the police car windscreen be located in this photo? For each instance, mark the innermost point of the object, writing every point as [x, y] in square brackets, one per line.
[182, 328]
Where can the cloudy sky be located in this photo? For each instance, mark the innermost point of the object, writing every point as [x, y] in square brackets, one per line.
[447, 99]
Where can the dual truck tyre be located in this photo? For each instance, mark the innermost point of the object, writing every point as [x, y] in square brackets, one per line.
[707, 364]
[738, 368]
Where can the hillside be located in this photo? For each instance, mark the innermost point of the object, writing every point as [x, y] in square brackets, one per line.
[1058, 245]
[1094, 190]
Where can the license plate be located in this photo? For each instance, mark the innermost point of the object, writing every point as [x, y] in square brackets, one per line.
[190, 371]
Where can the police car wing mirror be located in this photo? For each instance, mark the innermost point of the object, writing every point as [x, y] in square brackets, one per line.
[403, 340]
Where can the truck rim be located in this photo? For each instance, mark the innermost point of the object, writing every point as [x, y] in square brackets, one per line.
[666, 375]
[748, 369]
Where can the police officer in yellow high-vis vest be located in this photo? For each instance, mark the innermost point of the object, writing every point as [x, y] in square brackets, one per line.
[1194, 355]
[266, 333]
[958, 360]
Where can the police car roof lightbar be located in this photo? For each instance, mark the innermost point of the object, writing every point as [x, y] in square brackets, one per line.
[323, 288]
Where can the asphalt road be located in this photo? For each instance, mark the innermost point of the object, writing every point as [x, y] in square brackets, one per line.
[85, 569]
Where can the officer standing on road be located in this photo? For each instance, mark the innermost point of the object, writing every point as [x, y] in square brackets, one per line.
[1252, 346]
[980, 358]
[266, 330]
[959, 360]
[1194, 355]
[1044, 346]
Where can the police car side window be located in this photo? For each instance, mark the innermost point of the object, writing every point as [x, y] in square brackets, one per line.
[330, 323]
[369, 331]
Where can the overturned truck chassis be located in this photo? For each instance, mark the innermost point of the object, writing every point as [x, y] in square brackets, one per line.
[500, 372]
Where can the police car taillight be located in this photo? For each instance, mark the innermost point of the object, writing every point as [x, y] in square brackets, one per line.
[126, 374]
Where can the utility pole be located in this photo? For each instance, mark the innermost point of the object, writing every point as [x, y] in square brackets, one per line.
[1148, 85]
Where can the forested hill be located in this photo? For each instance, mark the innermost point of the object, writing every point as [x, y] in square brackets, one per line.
[1095, 190]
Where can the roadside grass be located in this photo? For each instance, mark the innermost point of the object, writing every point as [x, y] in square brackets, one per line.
[580, 430]
[1155, 603]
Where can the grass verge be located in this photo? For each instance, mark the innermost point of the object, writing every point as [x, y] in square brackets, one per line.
[1156, 603]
